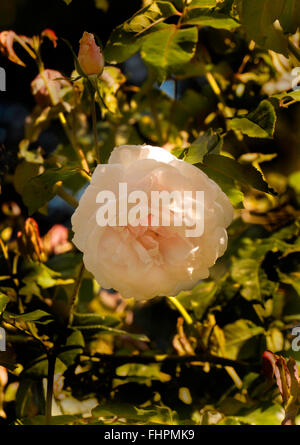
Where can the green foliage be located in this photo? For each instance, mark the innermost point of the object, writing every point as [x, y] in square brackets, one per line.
[206, 17]
[203, 145]
[258, 18]
[41, 189]
[244, 174]
[4, 299]
[177, 47]
[260, 123]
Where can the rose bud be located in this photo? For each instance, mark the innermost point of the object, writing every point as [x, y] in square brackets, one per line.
[90, 57]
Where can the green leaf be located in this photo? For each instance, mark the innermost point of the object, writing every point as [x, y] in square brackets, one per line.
[108, 84]
[39, 367]
[3, 302]
[260, 123]
[237, 334]
[34, 156]
[121, 45]
[38, 275]
[23, 173]
[95, 319]
[124, 41]
[249, 274]
[245, 175]
[64, 264]
[108, 330]
[139, 372]
[176, 47]
[294, 181]
[258, 17]
[73, 346]
[228, 185]
[41, 189]
[290, 17]
[29, 396]
[262, 414]
[112, 409]
[208, 142]
[294, 95]
[202, 4]
[67, 1]
[292, 279]
[200, 298]
[37, 316]
[147, 416]
[206, 17]
[149, 16]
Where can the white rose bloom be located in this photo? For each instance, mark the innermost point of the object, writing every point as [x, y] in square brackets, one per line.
[146, 261]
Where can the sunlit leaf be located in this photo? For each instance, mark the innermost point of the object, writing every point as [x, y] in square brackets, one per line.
[177, 46]
[237, 334]
[4, 299]
[206, 143]
[206, 17]
[40, 189]
[249, 274]
[37, 316]
[260, 123]
[244, 174]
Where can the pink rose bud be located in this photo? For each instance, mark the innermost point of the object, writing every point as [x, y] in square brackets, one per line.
[90, 57]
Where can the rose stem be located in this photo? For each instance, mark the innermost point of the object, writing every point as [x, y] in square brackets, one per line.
[50, 380]
[94, 121]
[62, 193]
[188, 319]
[74, 298]
[63, 121]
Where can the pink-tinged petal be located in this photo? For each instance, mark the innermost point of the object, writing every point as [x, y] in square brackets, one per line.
[7, 39]
[90, 57]
[146, 261]
[50, 35]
